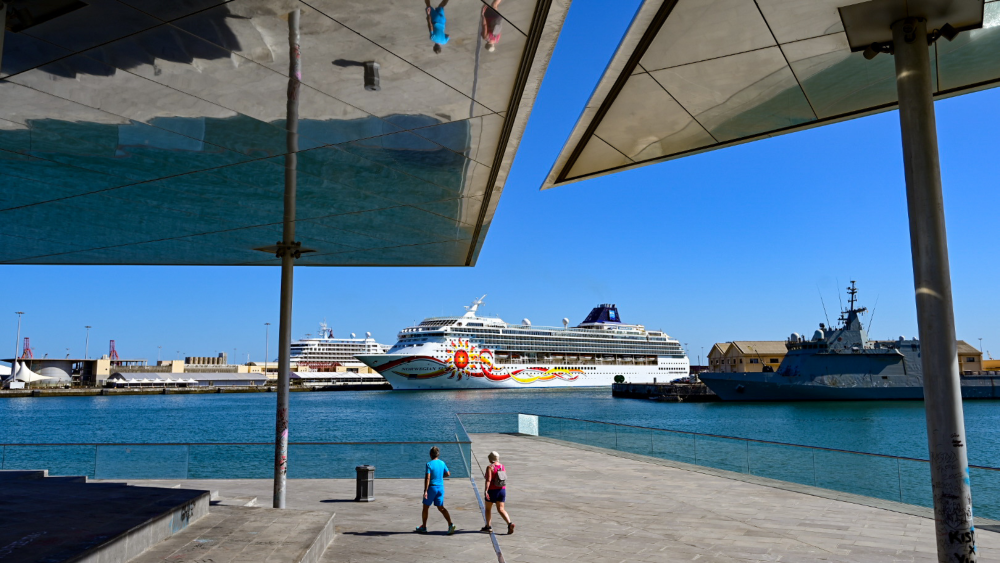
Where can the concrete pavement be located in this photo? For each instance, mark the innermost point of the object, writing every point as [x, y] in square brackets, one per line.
[576, 504]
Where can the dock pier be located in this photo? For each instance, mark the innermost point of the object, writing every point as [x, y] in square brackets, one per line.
[672, 392]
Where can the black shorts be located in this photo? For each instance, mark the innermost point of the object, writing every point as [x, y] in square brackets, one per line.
[496, 495]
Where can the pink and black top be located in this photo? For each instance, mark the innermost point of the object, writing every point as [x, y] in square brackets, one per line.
[489, 475]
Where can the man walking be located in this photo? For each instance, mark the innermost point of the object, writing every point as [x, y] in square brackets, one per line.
[436, 24]
[434, 476]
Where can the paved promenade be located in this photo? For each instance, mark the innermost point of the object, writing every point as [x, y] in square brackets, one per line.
[571, 504]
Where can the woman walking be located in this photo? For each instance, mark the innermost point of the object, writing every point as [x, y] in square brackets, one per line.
[496, 492]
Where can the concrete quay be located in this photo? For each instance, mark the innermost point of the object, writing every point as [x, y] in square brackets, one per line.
[104, 391]
[670, 392]
[576, 503]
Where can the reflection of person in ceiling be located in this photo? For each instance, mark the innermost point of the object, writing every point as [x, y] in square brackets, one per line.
[436, 23]
[492, 25]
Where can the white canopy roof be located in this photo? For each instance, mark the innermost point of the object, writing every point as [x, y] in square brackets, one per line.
[26, 375]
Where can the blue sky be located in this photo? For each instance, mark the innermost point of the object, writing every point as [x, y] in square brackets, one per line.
[736, 244]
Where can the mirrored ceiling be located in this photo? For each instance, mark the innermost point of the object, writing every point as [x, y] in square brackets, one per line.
[696, 75]
[154, 131]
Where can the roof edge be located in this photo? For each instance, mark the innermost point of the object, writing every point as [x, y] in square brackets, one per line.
[644, 17]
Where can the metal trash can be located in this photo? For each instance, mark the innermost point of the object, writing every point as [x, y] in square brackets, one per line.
[366, 483]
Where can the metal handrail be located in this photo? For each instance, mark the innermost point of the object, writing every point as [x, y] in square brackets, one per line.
[230, 443]
[727, 437]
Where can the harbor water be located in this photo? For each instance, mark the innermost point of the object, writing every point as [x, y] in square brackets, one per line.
[891, 428]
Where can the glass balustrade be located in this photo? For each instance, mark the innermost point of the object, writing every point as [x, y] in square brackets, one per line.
[892, 478]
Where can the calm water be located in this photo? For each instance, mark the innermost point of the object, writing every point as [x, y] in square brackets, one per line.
[894, 428]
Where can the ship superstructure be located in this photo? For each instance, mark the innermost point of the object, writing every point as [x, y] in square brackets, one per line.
[842, 364]
[326, 352]
[485, 352]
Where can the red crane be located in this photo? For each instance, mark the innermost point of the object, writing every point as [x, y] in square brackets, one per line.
[26, 351]
[113, 354]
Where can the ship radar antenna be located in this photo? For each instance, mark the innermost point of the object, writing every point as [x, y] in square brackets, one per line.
[841, 301]
[871, 318]
[823, 303]
[470, 310]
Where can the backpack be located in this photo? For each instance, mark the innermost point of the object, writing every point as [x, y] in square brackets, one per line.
[499, 479]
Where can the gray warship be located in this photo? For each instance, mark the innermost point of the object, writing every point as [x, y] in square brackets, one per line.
[842, 364]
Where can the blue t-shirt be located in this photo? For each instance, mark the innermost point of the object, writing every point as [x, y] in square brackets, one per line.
[436, 469]
[438, 23]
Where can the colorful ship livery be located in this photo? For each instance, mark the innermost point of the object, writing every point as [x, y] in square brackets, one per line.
[473, 352]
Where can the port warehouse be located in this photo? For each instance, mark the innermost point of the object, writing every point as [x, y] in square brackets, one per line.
[739, 356]
[192, 371]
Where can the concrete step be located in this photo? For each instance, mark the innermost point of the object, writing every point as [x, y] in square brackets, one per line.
[22, 474]
[67, 479]
[235, 501]
[54, 520]
[232, 534]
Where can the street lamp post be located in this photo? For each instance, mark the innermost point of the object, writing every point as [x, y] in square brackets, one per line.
[158, 350]
[86, 347]
[17, 339]
[267, 336]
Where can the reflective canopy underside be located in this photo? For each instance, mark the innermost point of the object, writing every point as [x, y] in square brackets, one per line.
[696, 75]
[153, 131]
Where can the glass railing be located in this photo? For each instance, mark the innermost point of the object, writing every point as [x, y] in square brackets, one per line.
[899, 479]
[307, 460]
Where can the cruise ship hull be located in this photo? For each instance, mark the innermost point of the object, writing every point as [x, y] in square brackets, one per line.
[410, 372]
[768, 387]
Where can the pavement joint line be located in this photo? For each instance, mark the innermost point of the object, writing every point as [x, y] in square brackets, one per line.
[482, 507]
[872, 502]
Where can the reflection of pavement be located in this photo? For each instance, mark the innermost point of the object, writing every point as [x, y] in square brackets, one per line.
[572, 504]
[381, 530]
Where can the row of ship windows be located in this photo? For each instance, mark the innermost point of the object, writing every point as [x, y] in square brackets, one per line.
[559, 341]
[560, 335]
[518, 343]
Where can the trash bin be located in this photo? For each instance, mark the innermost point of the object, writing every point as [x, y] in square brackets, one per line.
[366, 483]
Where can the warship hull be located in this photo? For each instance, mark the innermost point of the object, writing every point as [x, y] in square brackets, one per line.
[843, 364]
[757, 387]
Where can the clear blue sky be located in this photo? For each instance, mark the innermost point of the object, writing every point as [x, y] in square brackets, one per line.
[734, 244]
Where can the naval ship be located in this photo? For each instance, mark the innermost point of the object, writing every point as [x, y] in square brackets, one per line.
[842, 364]
[481, 352]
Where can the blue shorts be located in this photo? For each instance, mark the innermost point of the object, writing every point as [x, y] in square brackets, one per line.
[496, 495]
[435, 496]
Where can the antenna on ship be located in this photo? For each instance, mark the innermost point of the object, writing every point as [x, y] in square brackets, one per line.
[470, 310]
[841, 301]
[871, 318]
[823, 303]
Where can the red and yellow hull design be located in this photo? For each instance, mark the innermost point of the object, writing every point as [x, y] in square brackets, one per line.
[458, 364]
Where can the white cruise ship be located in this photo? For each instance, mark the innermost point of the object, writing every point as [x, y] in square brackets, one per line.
[473, 352]
[325, 353]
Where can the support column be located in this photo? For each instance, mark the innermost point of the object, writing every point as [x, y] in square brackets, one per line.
[932, 281]
[288, 251]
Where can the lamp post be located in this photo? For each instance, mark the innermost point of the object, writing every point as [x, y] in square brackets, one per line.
[86, 347]
[980, 345]
[267, 330]
[17, 338]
